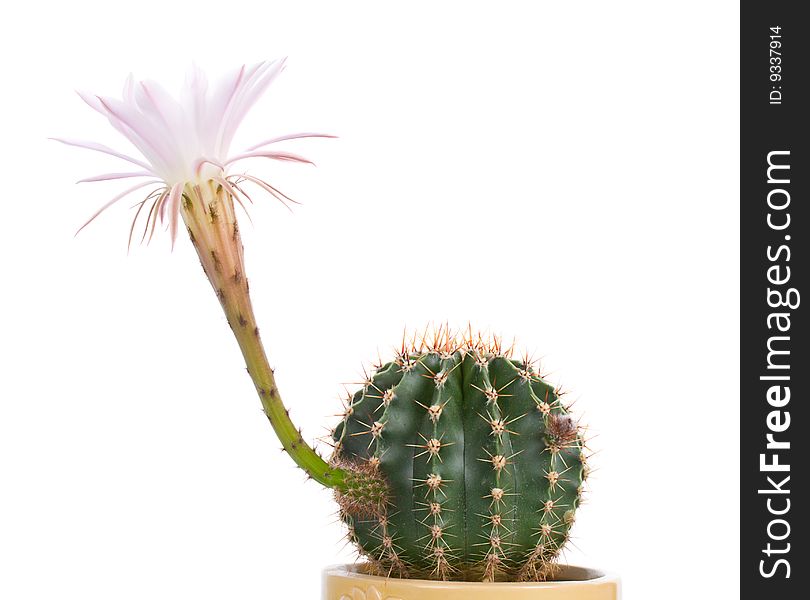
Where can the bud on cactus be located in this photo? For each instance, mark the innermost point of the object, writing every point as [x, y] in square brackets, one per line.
[483, 463]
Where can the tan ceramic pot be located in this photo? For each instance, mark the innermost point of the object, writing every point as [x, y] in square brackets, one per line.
[573, 583]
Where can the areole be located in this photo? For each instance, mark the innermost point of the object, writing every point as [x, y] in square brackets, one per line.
[348, 582]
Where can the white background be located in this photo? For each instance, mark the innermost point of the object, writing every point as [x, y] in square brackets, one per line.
[561, 172]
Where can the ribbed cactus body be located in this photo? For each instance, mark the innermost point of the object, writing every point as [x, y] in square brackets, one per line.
[483, 464]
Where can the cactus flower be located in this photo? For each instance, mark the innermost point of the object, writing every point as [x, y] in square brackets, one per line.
[185, 148]
[185, 143]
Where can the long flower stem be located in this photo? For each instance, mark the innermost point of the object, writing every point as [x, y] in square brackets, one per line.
[208, 212]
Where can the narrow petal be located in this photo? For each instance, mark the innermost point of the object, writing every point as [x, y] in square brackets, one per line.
[116, 199]
[291, 136]
[152, 216]
[279, 195]
[257, 82]
[162, 207]
[127, 93]
[174, 210]
[104, 149]
[195, 102]
[140, 206]
[109, 176]
[274, 155]
[270, 190]
[92, 101]
[235, 185]
[220, 103]
[200, 162]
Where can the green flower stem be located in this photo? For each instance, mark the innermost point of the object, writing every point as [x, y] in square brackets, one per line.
[208, 213]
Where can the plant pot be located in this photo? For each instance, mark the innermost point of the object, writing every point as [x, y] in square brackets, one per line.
[348, 582]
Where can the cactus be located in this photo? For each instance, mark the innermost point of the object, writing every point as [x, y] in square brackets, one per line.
[454, 461]
[483, 463]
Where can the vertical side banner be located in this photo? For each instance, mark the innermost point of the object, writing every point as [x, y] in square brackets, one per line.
[775, 364]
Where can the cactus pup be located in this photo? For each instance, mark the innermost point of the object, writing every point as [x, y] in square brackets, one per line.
[454, 460]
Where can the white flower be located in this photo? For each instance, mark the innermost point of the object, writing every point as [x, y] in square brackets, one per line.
[186, 141]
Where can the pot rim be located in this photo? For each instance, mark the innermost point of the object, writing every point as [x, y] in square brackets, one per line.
[587, 577]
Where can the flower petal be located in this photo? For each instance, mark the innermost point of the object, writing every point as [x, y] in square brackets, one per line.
[281, 197]
[291, 136]
[254, 84]
[104, 149]
[218, 107]
[150, 137]
[152, 216]
[174, 210]
[129, 86]
[198, 164]
[92, 101]
[116, 199]
[109, 176]
[194, 99]
[289, 156]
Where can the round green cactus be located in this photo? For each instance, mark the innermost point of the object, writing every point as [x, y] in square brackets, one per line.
[482, 462]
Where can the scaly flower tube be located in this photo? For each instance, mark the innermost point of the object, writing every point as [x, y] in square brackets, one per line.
[185, 147]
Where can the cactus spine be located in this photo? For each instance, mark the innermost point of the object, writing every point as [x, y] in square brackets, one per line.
[484, 464]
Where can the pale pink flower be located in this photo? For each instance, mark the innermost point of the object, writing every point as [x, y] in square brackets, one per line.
[185, 148]
[186, 141]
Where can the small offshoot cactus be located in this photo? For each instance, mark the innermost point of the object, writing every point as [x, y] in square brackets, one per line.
[482, 461]
[454, 461]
